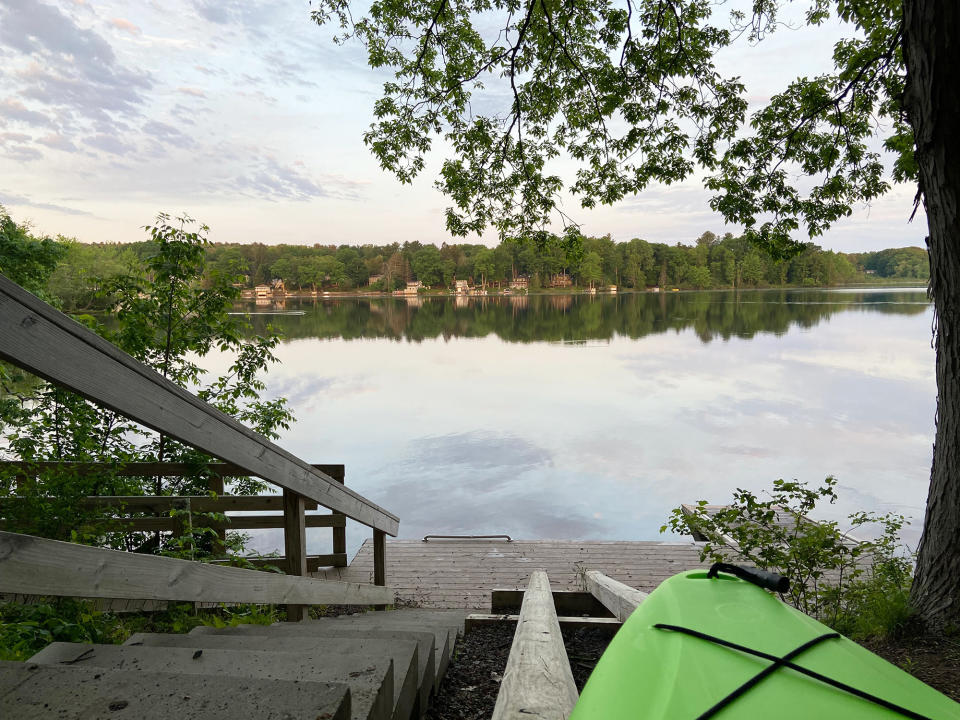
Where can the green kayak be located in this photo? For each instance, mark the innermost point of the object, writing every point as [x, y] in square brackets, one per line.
[702, 647]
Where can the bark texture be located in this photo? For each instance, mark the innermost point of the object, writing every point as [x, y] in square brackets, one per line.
[932, 55]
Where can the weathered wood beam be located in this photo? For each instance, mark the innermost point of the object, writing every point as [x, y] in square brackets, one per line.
[379, 560]
[475, 620]
[566, 602]
[314, 562]
[237, 522]
[165, 503]
[150, 469]
[37, 566]
[295, 544]
[45, 342]
[537, 681]
[619, 599]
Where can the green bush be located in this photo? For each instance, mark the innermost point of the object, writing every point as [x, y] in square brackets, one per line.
[27, 629]
[860, 588]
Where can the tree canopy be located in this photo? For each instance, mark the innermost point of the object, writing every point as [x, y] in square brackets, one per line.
[630, 91]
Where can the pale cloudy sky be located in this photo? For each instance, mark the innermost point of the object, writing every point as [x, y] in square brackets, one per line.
[245, 115]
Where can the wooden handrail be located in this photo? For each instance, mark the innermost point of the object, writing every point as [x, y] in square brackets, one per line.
[166, 503]
[147, 469]
[619, 599]
[38, 566]
[47, 343]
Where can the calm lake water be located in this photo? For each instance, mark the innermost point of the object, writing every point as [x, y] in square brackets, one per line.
[590, 417]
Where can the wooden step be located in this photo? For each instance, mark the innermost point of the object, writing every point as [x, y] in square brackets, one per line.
[368, 675]
[29, 691]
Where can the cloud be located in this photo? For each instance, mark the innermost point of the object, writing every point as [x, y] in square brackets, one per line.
[268, 179]
[11, 109]
[125, 26]
[195, 92]
[108, 143]
[8, 199]
[283, 71]
[69, 69]
[165, 133]
[58, 142]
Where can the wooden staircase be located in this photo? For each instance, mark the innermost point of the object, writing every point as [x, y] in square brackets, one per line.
[374, 666]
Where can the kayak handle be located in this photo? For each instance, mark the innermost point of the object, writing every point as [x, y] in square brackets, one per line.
[764, 578]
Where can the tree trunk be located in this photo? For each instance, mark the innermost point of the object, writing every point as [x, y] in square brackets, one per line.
[932, 54]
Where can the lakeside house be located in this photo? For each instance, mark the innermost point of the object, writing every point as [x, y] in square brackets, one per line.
[374, 279]
[562, 280]
[262, 291]
[520, 284]
[412, 288]
[461, 287]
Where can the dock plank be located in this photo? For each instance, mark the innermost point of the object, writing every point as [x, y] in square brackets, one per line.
[461, 574]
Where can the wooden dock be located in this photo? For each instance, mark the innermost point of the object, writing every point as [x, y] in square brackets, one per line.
[461, 573]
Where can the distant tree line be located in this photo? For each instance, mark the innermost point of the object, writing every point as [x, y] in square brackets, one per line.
[544, 259]
[547, 259]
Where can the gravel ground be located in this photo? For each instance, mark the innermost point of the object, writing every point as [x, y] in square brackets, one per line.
[469, 690]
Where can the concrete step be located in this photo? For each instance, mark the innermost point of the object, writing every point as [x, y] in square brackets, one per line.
[29, 691]
[444, 627]
[423, 681]
[368, 675]
[403, 650]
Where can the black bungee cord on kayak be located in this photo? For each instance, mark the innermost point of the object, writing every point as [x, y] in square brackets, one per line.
[778, 583]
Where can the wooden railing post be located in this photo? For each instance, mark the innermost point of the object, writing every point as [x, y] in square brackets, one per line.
[339, 538]
[379, 560]
[295, 544]
[215, 483]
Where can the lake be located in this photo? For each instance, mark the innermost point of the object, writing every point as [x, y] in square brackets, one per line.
[590, 417]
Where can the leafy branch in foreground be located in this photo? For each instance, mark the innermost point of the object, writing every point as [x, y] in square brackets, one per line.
[630, 92]
[860, 587]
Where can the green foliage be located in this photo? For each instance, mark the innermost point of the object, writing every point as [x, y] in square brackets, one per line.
[169, 311]
[631, 94]
[859, 587]
[27, 629]
[27, 260]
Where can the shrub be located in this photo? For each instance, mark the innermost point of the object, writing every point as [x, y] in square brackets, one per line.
[858, 587]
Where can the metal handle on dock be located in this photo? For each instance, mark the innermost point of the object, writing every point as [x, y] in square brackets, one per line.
[466, 537]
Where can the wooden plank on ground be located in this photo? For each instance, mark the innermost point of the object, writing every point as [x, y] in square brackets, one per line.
[476, 620]
[314, 562]
[37, 566]
[47, 343]
[619, 599]
[566, 602]
[537, 681]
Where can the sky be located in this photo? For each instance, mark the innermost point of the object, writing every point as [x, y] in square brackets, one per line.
[245, 115]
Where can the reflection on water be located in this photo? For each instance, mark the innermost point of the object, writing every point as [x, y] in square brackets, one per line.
[539, 318]
[590, 417]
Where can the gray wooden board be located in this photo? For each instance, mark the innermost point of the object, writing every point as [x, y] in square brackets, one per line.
[49, 344]
[566, 602]
[620, 599]
[73, 692]
[578, 623]
[402, 650]
[32, 565]
[368, 675]
[537, 681]
[461, 574]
